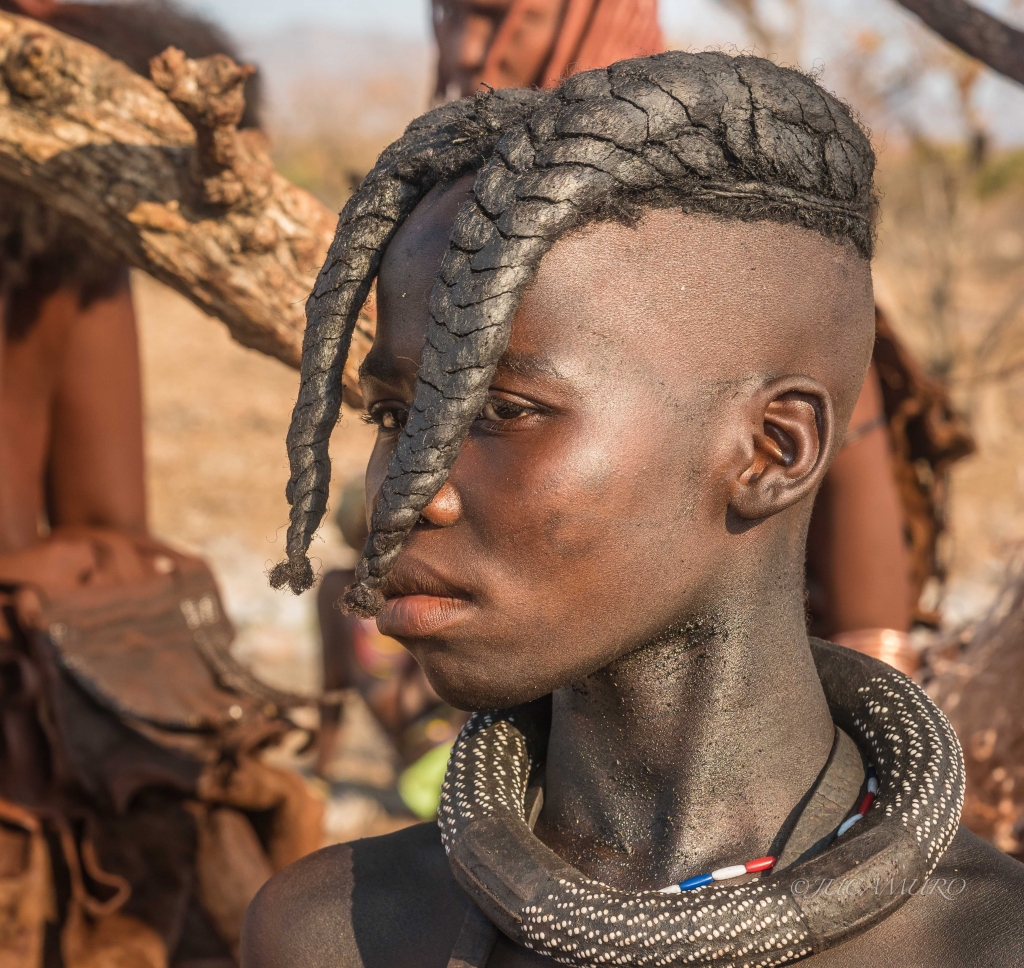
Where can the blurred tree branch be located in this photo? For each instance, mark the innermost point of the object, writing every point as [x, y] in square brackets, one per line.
[160, 174]
[975, 32]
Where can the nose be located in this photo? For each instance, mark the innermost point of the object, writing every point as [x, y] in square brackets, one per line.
[445, 507]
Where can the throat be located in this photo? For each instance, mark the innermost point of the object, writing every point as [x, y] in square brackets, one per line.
[690, 754]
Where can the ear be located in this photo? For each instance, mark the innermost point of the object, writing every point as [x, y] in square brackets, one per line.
[792, 424]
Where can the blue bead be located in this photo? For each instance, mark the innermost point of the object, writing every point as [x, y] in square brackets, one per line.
[848, 823]
[692, 883]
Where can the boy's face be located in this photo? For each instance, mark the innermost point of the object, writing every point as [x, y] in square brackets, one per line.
[589, 508]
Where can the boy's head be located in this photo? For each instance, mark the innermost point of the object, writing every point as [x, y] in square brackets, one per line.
[683, 241]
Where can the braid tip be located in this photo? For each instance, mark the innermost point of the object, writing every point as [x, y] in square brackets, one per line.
[362, 600]
[295, 572]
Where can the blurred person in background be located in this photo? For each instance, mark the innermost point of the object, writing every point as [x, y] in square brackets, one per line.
[535, 43]
[71, 405]
[136, 819]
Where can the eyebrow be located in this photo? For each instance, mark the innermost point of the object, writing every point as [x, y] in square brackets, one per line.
[526, 364]
[383, 368]
[380, 368]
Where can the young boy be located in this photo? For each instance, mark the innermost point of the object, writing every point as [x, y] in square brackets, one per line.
[622, 329]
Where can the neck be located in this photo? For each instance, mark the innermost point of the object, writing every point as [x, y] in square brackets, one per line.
[688, 754]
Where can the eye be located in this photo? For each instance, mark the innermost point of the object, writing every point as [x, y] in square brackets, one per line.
[500, 409]
[388, 415]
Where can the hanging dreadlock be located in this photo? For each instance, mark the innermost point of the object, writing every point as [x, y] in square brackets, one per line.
[738, 137]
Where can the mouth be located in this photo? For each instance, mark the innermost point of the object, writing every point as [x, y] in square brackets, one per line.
[419, 602]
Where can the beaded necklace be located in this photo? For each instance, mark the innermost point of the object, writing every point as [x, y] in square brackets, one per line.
[765, 864]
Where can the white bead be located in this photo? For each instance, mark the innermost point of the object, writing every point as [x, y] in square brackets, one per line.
[872, 785]
[725, 873]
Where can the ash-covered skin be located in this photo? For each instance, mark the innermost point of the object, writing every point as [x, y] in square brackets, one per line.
[698, 133]
[624, 527]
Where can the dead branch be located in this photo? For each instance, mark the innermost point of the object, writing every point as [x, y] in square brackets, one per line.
[160, 174]
[975, 32]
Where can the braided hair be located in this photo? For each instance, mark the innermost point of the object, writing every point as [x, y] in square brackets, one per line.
[736, 137]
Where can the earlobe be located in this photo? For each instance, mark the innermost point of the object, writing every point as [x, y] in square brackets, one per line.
[787, 452]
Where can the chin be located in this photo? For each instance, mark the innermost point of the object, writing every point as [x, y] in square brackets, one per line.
[475, 685]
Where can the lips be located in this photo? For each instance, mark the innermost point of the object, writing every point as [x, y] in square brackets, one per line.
[420, 602]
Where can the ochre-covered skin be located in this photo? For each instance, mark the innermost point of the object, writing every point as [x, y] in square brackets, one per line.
[71, 420]
[536, 43]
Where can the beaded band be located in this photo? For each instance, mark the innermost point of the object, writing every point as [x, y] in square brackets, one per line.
[765, 864]
[722, 874]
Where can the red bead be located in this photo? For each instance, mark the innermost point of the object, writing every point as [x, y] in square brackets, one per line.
[865, 804]
[761, 864]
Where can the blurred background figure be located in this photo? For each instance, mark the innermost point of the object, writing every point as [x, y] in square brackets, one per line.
[137, 819]
[71, 438]
[874, 536]
[535, 43]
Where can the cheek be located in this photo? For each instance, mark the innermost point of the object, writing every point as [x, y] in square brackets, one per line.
[585, 501]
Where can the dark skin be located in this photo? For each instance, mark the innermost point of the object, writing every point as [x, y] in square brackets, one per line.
[71, 421]
[624, 527]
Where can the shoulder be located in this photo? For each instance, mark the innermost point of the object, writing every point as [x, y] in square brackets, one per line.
[985, 894]
[383, 902]
[964, 915]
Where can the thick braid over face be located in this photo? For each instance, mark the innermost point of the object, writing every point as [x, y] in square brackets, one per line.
[545, 904]
[441, 145]
[737, 137]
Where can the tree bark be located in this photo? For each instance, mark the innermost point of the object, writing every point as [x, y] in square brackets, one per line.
[975, 32]
[165, 180]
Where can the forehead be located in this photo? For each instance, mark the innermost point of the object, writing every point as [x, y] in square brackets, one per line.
[679, 293]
